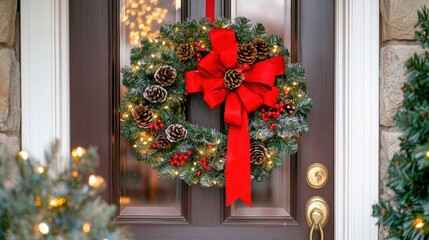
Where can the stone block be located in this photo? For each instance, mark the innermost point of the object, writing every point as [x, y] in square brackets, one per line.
[7, 21]
[13, 120]
[382, 233]
[392, 78]
[12, 143]
[389, 141]
[17, 43]
[398, 18]
[5, 77]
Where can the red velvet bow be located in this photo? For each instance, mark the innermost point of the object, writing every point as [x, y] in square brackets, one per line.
[256, 89]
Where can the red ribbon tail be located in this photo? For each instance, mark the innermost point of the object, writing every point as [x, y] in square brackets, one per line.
[237, 170]
[210, 10]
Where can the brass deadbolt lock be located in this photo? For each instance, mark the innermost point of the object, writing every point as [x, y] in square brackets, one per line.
[317, 175]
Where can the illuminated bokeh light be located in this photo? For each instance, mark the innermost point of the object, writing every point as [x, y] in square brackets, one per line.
[139, 17]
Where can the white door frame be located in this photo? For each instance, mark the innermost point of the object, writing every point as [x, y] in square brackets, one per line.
[356, 118]
[46, 114]
[45, 76]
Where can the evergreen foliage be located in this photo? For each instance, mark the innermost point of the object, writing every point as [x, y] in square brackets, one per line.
[406, 214]
[40, 203]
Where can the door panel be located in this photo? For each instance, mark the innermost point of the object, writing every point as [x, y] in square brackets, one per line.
[154, 209]
[143, 196]
[273, 198]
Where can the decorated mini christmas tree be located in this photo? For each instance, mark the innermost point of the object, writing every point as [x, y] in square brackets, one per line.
[405, 214]
[38, 202]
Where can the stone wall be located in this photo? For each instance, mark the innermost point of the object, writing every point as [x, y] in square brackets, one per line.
[398, 18]
[10, 89]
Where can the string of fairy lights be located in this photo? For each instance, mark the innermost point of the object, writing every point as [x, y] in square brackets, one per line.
[419, 223]
[94, 182]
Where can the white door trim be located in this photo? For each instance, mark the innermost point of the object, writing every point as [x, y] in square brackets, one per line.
[45, 76]
[356, 118]
[46, 115]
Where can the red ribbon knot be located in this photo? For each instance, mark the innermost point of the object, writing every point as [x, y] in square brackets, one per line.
[256, 89]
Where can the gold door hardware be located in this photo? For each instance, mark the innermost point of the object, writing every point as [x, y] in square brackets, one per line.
[317, 215]
[317, 175]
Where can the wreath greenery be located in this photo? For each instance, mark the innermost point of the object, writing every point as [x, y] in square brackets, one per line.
[153, 111]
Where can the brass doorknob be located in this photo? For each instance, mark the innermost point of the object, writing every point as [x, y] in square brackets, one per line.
[317, 215]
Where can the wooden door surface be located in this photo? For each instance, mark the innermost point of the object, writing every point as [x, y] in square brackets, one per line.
[95, 96]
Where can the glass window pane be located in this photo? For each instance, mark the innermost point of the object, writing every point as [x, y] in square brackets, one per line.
[272, 197]
[278, 21]
[142, 191]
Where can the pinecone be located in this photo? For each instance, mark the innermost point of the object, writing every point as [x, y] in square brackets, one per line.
[290, 107]
[258, 153]
[247, 54]
[233, 78]
[165, 75]
[185, 51]
[155, 94]
[143, 116]
[162, 142]
[262, 51]
[176, 132]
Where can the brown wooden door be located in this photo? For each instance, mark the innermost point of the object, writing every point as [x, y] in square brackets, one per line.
[95, 84]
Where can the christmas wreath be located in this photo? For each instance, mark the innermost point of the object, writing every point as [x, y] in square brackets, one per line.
[231, 63]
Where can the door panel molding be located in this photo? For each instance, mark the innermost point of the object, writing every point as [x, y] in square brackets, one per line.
[273, 216]
[138, 217]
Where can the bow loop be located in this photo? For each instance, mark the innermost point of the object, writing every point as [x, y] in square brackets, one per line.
[209, 66]
[215, 92]
[265, 72]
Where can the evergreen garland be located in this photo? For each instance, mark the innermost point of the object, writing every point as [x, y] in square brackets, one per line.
[200, 157]
[405, 214]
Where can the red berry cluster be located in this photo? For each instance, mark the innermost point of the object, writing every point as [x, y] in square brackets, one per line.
[179, 160]
[149, 134]
[286, 92]
[204, 163]
[199, 48]
[158, 125]
[273, 112]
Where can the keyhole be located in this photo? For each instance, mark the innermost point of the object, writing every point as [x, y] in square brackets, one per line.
[318, 176]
